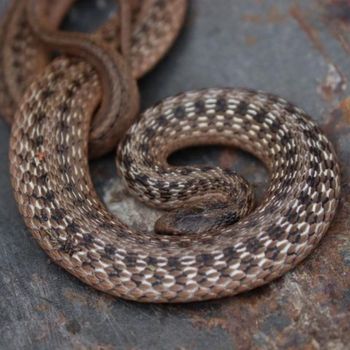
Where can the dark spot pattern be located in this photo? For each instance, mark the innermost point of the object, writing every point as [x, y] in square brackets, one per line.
[180, 112]
[221, 105]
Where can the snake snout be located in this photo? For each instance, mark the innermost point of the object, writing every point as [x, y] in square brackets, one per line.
[205, 218]
[221, 202]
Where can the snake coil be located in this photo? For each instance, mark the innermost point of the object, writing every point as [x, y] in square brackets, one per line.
[233, 247]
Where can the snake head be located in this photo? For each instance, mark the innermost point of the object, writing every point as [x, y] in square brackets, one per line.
[202, 218]
[230, 199]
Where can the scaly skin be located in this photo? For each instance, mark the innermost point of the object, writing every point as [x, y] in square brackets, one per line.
[50, 177]
[156, 24]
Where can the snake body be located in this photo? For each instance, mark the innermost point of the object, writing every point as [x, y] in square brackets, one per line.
[120, 102]
[212, 242]
[30, 29]
[51, 181]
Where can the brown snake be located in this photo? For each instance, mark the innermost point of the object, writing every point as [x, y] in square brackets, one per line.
[233, 248]
[155, 27]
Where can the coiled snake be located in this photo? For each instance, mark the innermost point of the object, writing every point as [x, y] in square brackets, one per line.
[214, 244]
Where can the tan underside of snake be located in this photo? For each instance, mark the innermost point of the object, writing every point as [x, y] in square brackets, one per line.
[50, 177]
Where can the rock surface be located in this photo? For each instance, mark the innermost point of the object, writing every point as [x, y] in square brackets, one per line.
[296, 49]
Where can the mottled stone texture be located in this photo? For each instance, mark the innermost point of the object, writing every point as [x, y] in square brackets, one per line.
[297, 49]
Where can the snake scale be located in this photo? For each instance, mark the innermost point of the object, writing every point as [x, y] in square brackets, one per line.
[213, 242]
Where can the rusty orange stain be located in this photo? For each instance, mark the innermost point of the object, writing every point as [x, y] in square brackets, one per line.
[306, 27]
[252, 18]
[334, 82]
[210, 322]
[42, 307]
[337, 10]
[274, 15]
[250, 40]
[336, 19]
[345, 108]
